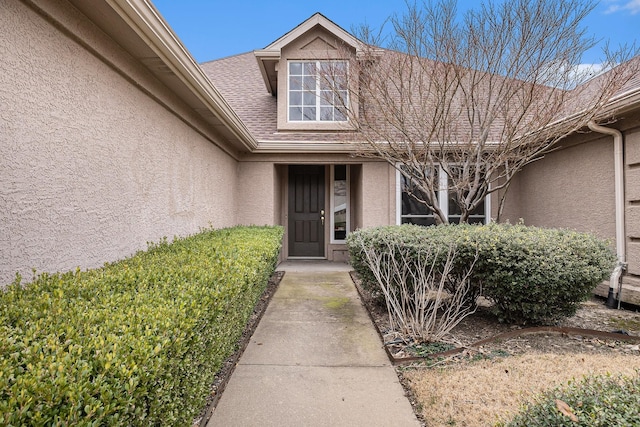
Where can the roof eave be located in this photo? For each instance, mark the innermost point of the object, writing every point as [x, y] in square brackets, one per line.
[264, 56]
[144, 19]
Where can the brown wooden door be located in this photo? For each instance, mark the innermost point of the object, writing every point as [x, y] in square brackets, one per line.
[306, 211]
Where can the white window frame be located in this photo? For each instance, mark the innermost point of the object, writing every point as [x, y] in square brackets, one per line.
[332, 205]
[443, 197]
[318, 97]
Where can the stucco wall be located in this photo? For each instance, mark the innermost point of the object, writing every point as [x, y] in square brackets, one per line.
[570, 188]
[378, 194]
[256, 187]
[91, 167]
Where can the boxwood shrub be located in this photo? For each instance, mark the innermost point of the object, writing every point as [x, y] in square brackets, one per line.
[137, 342]
[533, 275]
[597, 401]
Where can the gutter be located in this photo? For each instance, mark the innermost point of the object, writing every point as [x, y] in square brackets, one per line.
[615, 279]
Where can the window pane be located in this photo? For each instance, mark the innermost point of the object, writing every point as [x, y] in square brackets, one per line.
[341, 99]
[295, 68]
[339, 115]
[309, 98]
[325, 84]
[309, 68]
[479, 210]
[326, 97]
[295, 113]
[326, 67]
[295, 98]
[340, 67]
[340, 202]
[415, 212]
[454, 209]
[309, 113]
[326, 114]
[340, 82]
[477, 219]
[295, 83]
[309, 83]
[410, 204]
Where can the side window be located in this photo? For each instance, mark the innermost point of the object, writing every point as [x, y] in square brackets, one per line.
[340, 203]
[412, 211]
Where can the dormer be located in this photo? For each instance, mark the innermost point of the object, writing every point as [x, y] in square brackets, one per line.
[294, 69]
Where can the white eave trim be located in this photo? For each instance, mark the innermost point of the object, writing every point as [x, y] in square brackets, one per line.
[144, 19]
[307, 147]
[315, 19]
[263, 56]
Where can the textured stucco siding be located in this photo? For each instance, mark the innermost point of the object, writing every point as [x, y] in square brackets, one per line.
[256, 187]
[570, 188]
[378, 194]
[92, 167]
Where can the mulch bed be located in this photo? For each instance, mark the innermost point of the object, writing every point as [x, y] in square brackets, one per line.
[481, 334]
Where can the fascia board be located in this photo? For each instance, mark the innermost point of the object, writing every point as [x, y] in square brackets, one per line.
[263, 56]
[316, 19]
[281, 147]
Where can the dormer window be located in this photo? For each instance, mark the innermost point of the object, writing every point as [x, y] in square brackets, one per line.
[317, 91]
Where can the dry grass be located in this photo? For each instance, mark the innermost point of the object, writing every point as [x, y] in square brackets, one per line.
[482, 392]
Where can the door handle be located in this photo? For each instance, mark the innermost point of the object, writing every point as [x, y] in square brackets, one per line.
[322, 216]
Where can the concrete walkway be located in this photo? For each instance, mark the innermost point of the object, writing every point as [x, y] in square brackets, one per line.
[315, 359]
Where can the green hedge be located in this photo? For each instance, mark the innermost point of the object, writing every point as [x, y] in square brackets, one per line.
[599, 401]
[533, 275]
[137, 342]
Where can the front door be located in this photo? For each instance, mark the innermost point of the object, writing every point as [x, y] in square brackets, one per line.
[306, 211]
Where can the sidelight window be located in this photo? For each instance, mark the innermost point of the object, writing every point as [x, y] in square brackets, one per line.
[339, 203]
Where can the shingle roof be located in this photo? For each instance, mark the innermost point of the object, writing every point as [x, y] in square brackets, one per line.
[239, 80]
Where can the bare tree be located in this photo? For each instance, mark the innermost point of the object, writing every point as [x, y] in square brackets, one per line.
[425, 299]
[476, 98]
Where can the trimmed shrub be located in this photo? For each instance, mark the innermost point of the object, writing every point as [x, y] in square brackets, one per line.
[137, 342]
[533, 275]
[536, 275]
[599, 401]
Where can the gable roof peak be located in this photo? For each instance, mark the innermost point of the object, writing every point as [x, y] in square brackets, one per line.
[269, 56]
[314, 20]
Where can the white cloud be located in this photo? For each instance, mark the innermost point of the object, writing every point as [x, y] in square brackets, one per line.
[569, 77]
[631, 6]
[589, 71]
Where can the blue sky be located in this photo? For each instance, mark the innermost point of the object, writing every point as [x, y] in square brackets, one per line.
[212, 29]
